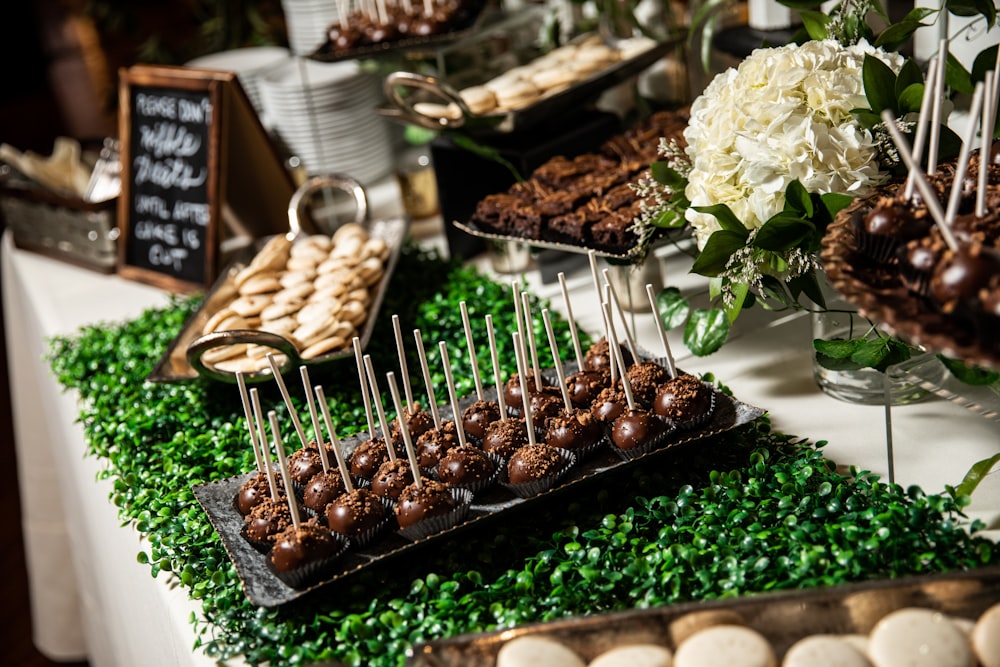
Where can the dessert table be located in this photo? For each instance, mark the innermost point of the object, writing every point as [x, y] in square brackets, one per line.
[91, 598]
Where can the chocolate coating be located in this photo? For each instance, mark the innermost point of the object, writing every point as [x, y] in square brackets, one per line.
[597, 356]
[573, 431]
[367, 457]
[321, 489]
[415, 504]
[391, 478]
[267, 519]
[682, 399]
[584, 386]
[636, 428]
[303, 464]
[464, 465]
[478, 416]
[961, 275]
[609, 405]
[433, 444]
[418, 422]
[297, 547]
[254, 490]
[504, 437]
[644, 378]
[533, 462]
[354, 513]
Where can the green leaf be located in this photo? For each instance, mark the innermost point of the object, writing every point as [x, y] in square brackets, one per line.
[797, 199]
[909, 75]
[800, 4]
[727, 219]
[808, 284]
[815, 24]
[717, 251]
[956, 76]
[740, 293]
[984, 8]
[867, 118]
[672, 307]
[837, 348]
[783, 232]
[985, 61]
[831, 204]
[949, 144]
[775, 289]
[880, 353]
[910, 98]
[666, 175]
[880, 82]
[972, 375]
[836, 364]
[706, 331]
[897, 34]
[976, 474]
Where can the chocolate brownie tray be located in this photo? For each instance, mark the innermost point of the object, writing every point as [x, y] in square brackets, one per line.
[879, 294]
[782, 618]
[264, 588]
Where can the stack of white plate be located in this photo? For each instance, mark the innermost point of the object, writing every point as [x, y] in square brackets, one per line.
[307, 22]
[324, 114]
[248, 64]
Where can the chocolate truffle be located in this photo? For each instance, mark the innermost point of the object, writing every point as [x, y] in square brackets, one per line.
[303, 464]
[575, 431]
[355, 513]
[478, 416]
[267, 519]
[391, 478]
[433, 444]
[504, 437]
[543, 408]
[297, 547]
[533, 462]
[321, 489]
[367, 457]
[415, 504]
[636, 428]
[644, 378]
[464, 465]
[683, 400]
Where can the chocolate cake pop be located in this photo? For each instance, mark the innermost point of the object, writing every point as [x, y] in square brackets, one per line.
[584, 386]
[355, 513]
[504, 437]
[597, 357]
[644, 378]
[433, 444]
[417, 503]
[465, 466]
[636, 428]
[266, 520]
[419, 421]
[478, 416]
[321, 489]
[391, 478]
[684, 400]
[609, 405]
[575, 431]
[961, 274]
[254, 490]
[304, 464]
[367, 457]
[299, 547]
[531, 463]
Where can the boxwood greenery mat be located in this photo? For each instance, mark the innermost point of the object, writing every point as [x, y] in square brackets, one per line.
[749, 511]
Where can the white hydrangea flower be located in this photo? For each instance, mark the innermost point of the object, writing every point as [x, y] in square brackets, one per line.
[783, 114]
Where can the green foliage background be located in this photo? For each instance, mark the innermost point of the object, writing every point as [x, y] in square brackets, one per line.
[748, 511]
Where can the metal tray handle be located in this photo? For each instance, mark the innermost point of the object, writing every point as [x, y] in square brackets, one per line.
[198, 347]
[296, 205]
[396, 81]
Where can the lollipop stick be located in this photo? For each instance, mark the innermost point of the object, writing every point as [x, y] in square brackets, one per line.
[530, 334]
[365, 397]
[556, 361]
[608, 325]
[522, 373]
[314, 415]
[671, 367]
[248, 415]
[451, 393]
[616, 350]
[377, 401]
[411, 453]
[403, 370]
[495, 358]
[935, 138]
[955, 197]
[621, 315]
[288, 399]
[431, 399]
[592, 256]
[922, 121]
[926, 191]
[577, 350]
[337, 451]
[989, 118]
[265, 448]
[472, 350]
[517, 312]
[293, 507]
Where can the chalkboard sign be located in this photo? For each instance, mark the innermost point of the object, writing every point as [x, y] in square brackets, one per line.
[179, 164]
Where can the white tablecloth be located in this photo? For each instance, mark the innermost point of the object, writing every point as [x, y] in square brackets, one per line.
[91, 598]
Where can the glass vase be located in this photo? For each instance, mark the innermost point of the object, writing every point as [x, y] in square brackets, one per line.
[865, 386]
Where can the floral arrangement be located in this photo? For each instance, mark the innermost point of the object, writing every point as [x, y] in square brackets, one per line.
[774, 149]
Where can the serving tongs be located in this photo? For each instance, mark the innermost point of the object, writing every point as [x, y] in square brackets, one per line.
[433, 90]
[299, 223]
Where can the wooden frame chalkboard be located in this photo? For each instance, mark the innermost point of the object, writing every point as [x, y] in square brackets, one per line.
[190, 139]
